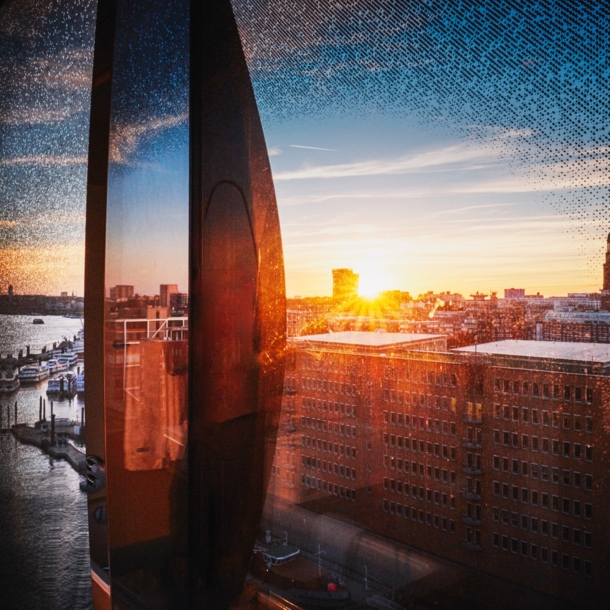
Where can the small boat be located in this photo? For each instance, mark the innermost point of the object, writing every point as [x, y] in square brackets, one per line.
[80, 382]
[63, 386]
[32, 373]
[78, 344]
[9, 376]
[37, 321]
[302, 581]
[68, 358]
[55, 366]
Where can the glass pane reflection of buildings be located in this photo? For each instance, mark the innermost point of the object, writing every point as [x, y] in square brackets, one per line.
[146, 330]
[464, 449]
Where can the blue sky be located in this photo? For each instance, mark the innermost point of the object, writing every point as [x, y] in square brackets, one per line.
[429, 146]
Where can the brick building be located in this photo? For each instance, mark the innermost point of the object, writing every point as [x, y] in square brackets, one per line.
[494, 457]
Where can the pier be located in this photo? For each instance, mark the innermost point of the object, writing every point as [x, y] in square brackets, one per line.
[39, 437]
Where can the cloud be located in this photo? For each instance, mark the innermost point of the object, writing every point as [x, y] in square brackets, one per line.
[426, 161]
[274, 151]
[313, 148]
[125, 138]
[44, 160]
[59, 87]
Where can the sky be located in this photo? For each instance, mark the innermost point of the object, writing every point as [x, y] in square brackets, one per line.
[427, 146]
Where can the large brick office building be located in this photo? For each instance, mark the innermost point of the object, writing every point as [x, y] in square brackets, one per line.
[494, 457]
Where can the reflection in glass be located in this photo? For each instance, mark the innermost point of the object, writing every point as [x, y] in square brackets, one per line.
[446, 150]
[146, 329]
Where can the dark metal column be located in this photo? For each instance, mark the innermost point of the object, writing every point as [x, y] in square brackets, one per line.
[236, 311]
[95, 249]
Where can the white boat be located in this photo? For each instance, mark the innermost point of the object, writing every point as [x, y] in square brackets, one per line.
[62, 386]
[9, 377]
[68, 358]
[78, 345]
[32, 373]
[80, 382]
[55, 366]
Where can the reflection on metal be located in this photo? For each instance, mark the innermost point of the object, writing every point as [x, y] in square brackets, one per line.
[237, 304]
[222, 372]
[97, 183]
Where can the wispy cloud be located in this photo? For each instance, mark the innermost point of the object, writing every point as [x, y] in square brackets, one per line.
[44, 160]
[426, 161]
[274, 151]
[313, 148]
[125, 138]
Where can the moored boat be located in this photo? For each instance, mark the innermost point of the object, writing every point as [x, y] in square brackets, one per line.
[302, 581]
[55, 366]
[63, 386]
[9, 376]
[32, 373]
[68, 358]
[37, 321]
[80, 382]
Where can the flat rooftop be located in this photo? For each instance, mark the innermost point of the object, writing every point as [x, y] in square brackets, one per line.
[369, 339]
[556, 350]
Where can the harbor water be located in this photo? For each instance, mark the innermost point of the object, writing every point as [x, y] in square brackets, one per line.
[44, 548]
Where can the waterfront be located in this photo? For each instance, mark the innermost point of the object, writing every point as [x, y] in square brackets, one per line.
[44, 561]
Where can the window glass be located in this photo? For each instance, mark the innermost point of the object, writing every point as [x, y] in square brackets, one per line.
[46, 54]
[414, 152]
[146, 330]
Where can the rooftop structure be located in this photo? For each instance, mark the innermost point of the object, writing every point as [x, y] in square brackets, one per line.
[377, 342]
[598, 353]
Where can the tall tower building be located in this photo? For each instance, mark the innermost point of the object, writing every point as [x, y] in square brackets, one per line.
[165, 291]
[345, 283]
[605, 304]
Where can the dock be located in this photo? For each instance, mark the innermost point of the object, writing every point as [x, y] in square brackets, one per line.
[37, 436]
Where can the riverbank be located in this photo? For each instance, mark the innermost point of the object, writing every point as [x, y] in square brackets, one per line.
[36, 436]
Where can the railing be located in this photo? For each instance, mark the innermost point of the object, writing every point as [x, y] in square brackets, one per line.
[470, 495]
[154, 328]
[470, 444]
[471, 469]
[470, 546]
[471, 520]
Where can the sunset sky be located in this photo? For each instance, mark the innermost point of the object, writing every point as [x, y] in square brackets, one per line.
[435, 165]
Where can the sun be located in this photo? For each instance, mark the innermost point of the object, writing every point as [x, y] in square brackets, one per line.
[371, 283]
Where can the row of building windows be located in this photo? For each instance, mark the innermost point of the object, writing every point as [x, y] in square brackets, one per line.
[576, 564]
[418, 515]
[417, 468]
[421, 446]
[543, 527]
[323, 425]
[544, 390]
[524, 469]
[339, 470]
[429, 377]
[327, 446]
[425, 494]
[446, 403]
[428, 424]
[331, 488]
[555, 446]
[558, 419]
[543, 499]
[324, 385]
[313, 404]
